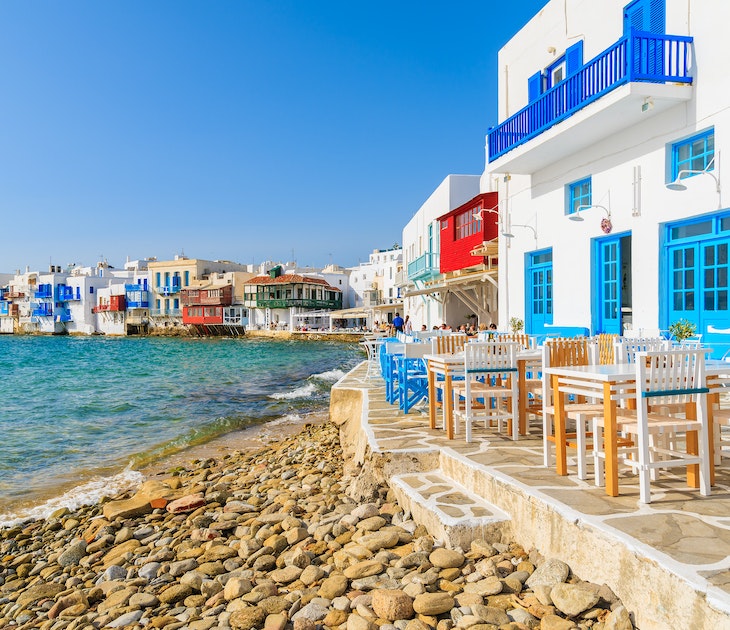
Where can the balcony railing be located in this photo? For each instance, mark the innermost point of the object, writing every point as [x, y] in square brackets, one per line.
[170, 312]
[44, 292]
[302, 303]
[638, 57]
[169, 289]
[43, 309]
[423, 267]
[66, 293]
[137, 298]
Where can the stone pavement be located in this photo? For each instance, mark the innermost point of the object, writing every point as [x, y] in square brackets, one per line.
[679, 542]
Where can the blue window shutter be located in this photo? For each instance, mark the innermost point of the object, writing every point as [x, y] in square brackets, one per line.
[574, 58]
[534, 87]
[657, 17]
[646, 15]
[634, 16]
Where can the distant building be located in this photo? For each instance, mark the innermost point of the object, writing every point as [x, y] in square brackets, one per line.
[290, 301]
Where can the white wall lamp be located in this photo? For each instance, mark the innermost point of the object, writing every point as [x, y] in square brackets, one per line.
[606, 224]
[678, 183]
[508, 233]
[493, 210]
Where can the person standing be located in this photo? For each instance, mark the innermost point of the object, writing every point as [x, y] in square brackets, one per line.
[398, 323]
[408, 325]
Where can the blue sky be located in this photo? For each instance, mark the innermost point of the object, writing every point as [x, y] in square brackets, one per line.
[242, 130]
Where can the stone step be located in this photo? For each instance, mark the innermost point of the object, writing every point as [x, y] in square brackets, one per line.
[450, 512]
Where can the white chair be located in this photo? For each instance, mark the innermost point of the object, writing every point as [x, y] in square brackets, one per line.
[663, 380]
[625, 349]
[490, 375]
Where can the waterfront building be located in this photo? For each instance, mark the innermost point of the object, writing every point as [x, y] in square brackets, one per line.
[374, 290]
[167, 278]
[607, 163]
[214, 304]
[288, 301]
[426, 298]
[15, 303]
[122, 307]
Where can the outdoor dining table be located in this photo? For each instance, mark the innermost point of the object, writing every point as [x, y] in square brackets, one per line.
[611, 383]
[450, 365]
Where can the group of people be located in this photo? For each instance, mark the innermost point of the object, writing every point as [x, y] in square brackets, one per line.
[406, 326]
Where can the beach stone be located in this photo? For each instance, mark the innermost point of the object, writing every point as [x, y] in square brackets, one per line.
[366, 510]
[363, 569]
[392, 605]
[554, 622]
[175, 593]
[126, 619]
[115, 572]
[333, 586]
[144, 600]
[236, 587]
[573, 599]
[116, 553]
[73, 553]
[275, 622]
[383, 539]
[490, 614]
[116, 599]
[188, 503]
[274, 605]
[149, 571]
[335, 618]
[67, 601]
[618, 619]
[38, 591]
[433, 603]
[372, 524]
[219, 552]
[311, 574]
[550, 572]
[356, 622]
[286, 575]
[247, 618]
[446, 558]
[312, 611]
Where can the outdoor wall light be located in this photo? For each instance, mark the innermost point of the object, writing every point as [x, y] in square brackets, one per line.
[678, 184]
[478, 214]
[577, 216]
[508, 234]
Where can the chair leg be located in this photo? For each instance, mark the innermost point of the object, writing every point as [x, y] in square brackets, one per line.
[597, 453]
[547, 430]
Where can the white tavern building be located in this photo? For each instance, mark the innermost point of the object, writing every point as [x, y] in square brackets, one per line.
[607, 163]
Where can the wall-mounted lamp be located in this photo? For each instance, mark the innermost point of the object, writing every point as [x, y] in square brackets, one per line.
[508, 234]
[576, 216]
[478, 214]
[678, 184]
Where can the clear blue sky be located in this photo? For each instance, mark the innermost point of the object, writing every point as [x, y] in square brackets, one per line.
[240, 130]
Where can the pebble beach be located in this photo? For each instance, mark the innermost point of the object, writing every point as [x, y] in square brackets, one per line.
[275, 537]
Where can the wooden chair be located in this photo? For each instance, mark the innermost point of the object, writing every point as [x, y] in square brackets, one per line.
[625, 350]
[664, 379]
[520, 338]
[448, 344]
[490, 376]
[568, 352]
[606, 352]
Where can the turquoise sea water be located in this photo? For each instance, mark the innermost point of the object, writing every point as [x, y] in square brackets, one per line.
[88, 410]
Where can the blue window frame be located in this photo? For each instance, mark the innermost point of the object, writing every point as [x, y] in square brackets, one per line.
[577, 194]
[539, 290]
[693, 154]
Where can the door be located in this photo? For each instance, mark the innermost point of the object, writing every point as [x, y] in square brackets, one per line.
[612, 284]
[647, 58]
[539, 291]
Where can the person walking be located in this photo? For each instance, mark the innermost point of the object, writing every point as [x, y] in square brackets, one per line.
[398, 323]
[408, 325]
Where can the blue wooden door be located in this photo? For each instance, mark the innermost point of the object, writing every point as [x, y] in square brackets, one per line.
[539, 291]
[646, 16]
[609, 287]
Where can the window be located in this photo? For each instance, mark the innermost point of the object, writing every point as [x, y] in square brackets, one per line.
[465, 224]
[577, 194]
[693, 154]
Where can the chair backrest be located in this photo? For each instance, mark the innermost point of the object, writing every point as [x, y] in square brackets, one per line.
[520, 338]
[491, 357]
[563, 352]
[449, 344]
[670, 376]
[625, 350]
[416, 350]
[606, 351]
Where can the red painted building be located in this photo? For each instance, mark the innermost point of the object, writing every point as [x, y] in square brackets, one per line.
[205, 306]
[466, 228]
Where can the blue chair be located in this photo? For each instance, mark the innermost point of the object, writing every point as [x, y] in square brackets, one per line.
[412, 375]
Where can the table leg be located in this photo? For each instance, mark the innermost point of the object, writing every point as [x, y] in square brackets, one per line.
[610, 441]
[561, 455]
[448, 405]
[522, 394]
[692, 444]
[712, 400]
[431, 398]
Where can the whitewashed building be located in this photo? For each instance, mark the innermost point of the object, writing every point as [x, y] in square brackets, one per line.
[421, 251]
[605, 109]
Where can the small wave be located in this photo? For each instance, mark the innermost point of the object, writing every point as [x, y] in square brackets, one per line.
[305, 391]
[330, 376]
[85, 494]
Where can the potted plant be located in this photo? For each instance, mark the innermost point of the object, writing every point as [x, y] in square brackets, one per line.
[682, 329]
[516, 325]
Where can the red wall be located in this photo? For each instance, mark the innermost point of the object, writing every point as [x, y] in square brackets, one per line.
[204, 319]
[455, 253]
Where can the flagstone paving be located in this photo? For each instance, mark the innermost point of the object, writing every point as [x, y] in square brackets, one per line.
[680, 527]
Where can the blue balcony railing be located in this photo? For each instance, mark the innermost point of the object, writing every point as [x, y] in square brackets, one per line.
[424, 267]
[4, 309]
[638, 57]
[44, 291]
[42, 309]
[66, 293]
[62, 315]
[137, 298]
[170, 289]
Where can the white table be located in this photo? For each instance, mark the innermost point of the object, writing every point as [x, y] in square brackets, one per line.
[609, 383]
